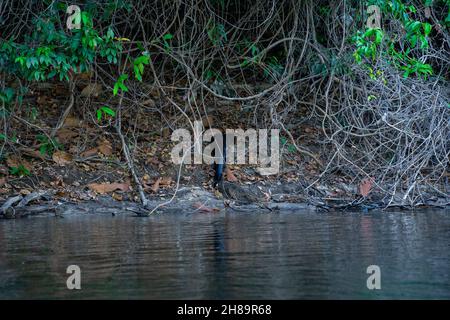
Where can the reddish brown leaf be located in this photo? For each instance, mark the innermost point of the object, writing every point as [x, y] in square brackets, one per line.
[366, 186]
[155, 186]
[24, 192]
[230, 176]
[208, 121]
[66, 135]
[105, 148]
[92, 89]
[117, 197]
[62, 158]
[72, 122]
[199, 206]
[103, 188]
[89, 153]
[165, 181]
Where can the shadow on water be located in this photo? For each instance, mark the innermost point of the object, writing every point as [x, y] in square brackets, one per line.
[228, 256]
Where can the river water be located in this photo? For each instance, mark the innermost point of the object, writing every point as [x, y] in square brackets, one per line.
[228, 256]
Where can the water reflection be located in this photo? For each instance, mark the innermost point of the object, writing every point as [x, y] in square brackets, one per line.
[228, 256]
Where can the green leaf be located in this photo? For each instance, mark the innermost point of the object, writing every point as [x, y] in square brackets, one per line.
[142, 60]
[123, 77]
[19, 171]
[415, 26]
[108, 111]
[427, 29]
[99, 115]
[110, 33]
[167, 36]
[43, 149]
[378, 36]
[123, 87]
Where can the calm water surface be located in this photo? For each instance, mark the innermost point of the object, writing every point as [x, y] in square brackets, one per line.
[228, 256]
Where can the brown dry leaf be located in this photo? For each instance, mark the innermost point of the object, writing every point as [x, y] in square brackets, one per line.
[155, 186]
[208, 122]
[92, 89]
[89, 153]
[72, 122]
[61, 193]
[199, 206]
[15, 162]
[24, 192]
[2, 181]
[57, 183]
[165, 181]
[154, 92]
[85, 75]
[117, 197]
[103, 188]
[230, 176]
[366, 186]
[66, 135]
[105, 148]
[62, 158]
[149, 103]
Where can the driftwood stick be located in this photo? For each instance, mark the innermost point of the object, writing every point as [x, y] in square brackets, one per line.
[32, 196]
[9, 203]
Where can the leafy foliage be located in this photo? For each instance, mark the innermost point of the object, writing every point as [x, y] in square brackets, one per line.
[105, 111]
[19, 171]
[401, 51]
[138, 65]
[50, 52]
[120, 84]
[47, 146]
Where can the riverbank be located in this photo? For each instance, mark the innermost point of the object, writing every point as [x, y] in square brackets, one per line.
[86, 162]
[188, 200]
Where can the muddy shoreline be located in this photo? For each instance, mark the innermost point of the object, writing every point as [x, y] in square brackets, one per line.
[189, 200]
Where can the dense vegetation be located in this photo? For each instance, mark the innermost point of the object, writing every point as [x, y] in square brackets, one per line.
[380, 95]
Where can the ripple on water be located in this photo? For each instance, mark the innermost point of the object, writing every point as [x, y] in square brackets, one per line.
[253, 256]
